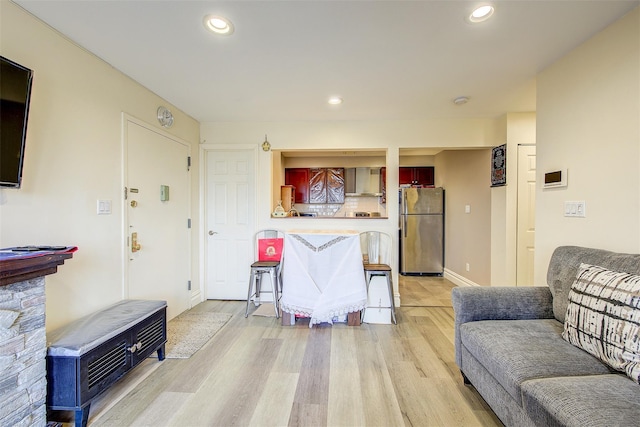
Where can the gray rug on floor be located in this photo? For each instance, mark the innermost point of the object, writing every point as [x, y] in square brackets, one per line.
[189, 331]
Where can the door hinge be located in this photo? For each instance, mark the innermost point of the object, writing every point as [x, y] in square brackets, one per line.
[125, 193]
[189, 223]
[188, 285]
[188, 163]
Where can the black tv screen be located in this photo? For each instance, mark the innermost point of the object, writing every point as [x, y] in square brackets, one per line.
[15, 93]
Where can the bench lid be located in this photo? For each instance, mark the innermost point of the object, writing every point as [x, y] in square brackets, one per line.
[86, 333]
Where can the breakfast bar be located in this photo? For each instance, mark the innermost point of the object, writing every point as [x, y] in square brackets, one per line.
[322, 276]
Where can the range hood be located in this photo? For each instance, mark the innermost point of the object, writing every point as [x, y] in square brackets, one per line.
[363, 181]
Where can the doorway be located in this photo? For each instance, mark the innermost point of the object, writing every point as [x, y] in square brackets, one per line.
[229, 219]
[156, 216]
[525, 233]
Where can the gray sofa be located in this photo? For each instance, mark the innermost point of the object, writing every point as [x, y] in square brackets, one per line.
[509, 346]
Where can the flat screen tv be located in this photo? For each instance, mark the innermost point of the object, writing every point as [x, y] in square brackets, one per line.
[15, 93]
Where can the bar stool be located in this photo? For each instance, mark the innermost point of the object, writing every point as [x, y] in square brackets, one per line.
[376, 251]
[268, 246]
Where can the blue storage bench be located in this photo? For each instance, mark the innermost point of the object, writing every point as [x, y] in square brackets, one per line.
[87, 356]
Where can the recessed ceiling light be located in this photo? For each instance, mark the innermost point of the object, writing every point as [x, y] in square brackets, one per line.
[335, 100]
[461, 100]
[481, 13]
[218, 24]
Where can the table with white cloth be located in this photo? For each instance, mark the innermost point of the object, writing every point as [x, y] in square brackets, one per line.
[322, 275]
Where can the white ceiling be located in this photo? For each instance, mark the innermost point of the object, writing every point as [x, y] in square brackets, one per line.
[389, 60]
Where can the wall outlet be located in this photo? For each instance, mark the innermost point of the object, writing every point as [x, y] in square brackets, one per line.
[467, 266]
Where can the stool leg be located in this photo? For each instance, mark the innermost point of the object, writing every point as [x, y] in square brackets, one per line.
[256, 300]
[392, 303]
[251, 280]
[367, 277]
[273, 275]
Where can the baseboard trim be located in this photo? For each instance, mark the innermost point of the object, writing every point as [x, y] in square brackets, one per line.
[458, 279]
[196, 298]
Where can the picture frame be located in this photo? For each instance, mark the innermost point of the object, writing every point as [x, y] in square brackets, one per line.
[499, 166]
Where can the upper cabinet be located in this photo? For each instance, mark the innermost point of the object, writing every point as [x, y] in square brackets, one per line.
[317, 185]
[299, 178]
[326, 185]
[417, 175]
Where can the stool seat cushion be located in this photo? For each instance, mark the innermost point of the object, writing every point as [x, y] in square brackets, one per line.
[86, 333]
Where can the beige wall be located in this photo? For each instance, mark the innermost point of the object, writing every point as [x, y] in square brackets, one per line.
[466, 177]
[73, 158]
[589, 123]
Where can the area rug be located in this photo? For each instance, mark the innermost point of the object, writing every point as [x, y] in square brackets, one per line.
[266, 310]
[189, 331]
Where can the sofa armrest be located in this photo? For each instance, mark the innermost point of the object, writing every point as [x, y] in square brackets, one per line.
[499, 303]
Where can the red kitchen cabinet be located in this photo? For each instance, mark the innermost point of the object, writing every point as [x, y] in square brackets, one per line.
[383, 184]
[299, 178]
[418, 175]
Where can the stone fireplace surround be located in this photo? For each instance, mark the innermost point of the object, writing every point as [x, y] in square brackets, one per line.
[23, 344]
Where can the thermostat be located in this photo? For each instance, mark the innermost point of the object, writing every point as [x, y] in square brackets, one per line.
[555, 179]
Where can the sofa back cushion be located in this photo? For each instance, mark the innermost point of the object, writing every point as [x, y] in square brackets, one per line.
[603, 317]
[564, 265]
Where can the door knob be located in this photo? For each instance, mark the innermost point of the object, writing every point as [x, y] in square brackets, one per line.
[134, 203]
[211, 232]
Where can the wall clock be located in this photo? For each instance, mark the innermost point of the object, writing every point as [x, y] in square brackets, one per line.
[165, 117]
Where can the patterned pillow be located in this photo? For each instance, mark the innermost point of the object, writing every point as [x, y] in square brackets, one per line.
[603, 317]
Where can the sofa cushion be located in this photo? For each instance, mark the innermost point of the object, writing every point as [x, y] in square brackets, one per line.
[603, 317]
[518, 350]
[584, 401]
[564, 264]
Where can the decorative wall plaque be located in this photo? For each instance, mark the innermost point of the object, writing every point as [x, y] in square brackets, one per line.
[499, 166]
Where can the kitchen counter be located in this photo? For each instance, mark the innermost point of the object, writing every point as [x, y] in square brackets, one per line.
[352, 214]
[332, 217]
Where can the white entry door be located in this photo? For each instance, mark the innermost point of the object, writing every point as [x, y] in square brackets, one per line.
[157, 216]
[526, 230]
[230, 221]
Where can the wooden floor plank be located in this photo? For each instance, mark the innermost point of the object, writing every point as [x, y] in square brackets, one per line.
[275, 403]
[162, 410]
[378, 394]
[312, 392]
[345, 406]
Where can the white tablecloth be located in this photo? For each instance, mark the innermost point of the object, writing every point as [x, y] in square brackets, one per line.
[322, 275]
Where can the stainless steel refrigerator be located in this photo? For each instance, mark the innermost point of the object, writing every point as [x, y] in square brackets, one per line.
[422, 231]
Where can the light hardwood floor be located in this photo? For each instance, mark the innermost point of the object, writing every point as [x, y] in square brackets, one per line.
[255, 372]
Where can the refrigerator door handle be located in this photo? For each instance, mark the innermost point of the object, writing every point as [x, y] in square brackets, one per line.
[405, 210]
[404, 226]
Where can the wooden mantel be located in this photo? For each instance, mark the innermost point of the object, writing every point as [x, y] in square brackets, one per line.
[15, 270]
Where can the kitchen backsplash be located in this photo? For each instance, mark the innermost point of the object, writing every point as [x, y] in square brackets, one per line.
[351, 204]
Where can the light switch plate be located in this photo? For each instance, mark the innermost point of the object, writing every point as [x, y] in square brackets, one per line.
[576, 209]
[104, 207]
[164, 193]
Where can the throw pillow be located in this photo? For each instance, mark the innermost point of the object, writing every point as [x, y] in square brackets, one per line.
[603, 317]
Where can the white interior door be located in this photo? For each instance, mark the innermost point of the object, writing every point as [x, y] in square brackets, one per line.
[230, 219]
[526, 214]
[158, 218]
